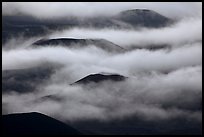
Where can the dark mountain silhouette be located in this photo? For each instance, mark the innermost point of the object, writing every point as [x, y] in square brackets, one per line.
[77, 43]
[29, 26]
[99, 78]
[144, 18]
[34, 124]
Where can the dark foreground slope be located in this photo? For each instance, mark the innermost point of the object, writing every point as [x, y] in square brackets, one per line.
[34, 124]
[137, 126]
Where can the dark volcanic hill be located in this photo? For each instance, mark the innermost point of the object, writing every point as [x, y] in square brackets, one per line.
[34, 124]
[144, 18]
[99, 78]
[13, 26]
[77, 43]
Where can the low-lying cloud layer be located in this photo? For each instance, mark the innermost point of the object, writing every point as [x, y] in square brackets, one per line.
[162, 84]
[152, 96]
[87, 9]
[183, 32]
[130, 62]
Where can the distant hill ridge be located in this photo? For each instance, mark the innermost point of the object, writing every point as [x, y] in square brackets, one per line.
[129, 19]
[96, 78]
[76, 43]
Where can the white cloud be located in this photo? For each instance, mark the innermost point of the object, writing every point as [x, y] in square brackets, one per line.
[162, 84]
[62, 9]
[148, 93]
[142, 96]
[93, 59]
[184, 32]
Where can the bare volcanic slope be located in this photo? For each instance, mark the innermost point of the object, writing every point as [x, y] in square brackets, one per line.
[96, 78]
[34, 124]
[144, 18]
[28, 26]
[78, 43]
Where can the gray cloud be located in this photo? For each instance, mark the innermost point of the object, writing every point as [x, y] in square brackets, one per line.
[149, 97]
[97, 59]
[148, 93]
[184, 32]
[82, 9]
[163, 84]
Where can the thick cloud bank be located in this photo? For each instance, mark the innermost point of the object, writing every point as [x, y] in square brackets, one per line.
[87, 9]
[162, 84]
[184, 32]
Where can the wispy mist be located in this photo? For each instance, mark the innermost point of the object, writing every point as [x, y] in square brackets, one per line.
[161, 84]
[88, 9]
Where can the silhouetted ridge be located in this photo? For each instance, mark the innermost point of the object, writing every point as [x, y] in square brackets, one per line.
[34, 124]
[28, 26]
[99, 78]
[76, 43]
[63, 41]
[144, 18]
